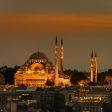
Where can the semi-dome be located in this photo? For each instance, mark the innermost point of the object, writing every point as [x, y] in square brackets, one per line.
[38, 55]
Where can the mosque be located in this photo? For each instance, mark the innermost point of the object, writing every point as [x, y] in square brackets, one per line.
[38, 69]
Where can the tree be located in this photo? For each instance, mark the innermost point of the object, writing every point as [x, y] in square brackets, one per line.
[9, 74]
[68, 72]
[49, 83]
[78, 76]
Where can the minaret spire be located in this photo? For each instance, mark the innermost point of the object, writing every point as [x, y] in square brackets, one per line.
[92, 54]
[61, 41]
[95, 54]
[93, 67]
[56, 62]
[96, 66]
[56, 41]
[61, 56]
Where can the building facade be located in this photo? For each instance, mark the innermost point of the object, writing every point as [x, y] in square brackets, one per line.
[38, 69]
[35, 71]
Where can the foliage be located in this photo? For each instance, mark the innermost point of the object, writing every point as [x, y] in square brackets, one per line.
[75, 75]
[9, 74]
[49, 83]
[68, 72]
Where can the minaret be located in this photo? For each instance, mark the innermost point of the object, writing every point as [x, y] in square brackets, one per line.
[61, 56]
[94, 68]
[96, 76]
[92, 54]
[56, 63]
[91, 67]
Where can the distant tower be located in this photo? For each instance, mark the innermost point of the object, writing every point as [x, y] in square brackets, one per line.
[61, 56]
[56, 63]
[94, 68]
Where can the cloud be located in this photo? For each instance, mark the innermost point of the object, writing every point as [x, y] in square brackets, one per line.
[55, 23]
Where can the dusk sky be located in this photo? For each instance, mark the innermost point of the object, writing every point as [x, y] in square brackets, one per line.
[27, 26]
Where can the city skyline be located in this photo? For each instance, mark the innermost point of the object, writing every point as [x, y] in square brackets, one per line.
[29, 26]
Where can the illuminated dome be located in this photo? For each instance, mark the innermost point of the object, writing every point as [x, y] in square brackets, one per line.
[40, 58]
[38, 55]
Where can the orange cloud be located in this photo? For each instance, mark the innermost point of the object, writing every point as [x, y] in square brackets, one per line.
[54, 23]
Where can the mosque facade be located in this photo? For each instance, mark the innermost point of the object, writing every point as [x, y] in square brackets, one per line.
[38, 69]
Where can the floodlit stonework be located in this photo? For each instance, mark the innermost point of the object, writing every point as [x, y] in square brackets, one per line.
[94, 68]
[38, 69]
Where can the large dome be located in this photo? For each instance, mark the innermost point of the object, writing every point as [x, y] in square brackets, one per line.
[38, 55]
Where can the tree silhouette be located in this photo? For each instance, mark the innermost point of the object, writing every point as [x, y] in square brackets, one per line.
[49, 83]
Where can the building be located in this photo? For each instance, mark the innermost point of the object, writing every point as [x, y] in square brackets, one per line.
[35, 71]
[91, 99]
[38, 69]
[93, 68]
[108, 79]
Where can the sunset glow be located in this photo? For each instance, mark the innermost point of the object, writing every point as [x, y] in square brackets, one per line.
[54, 22]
